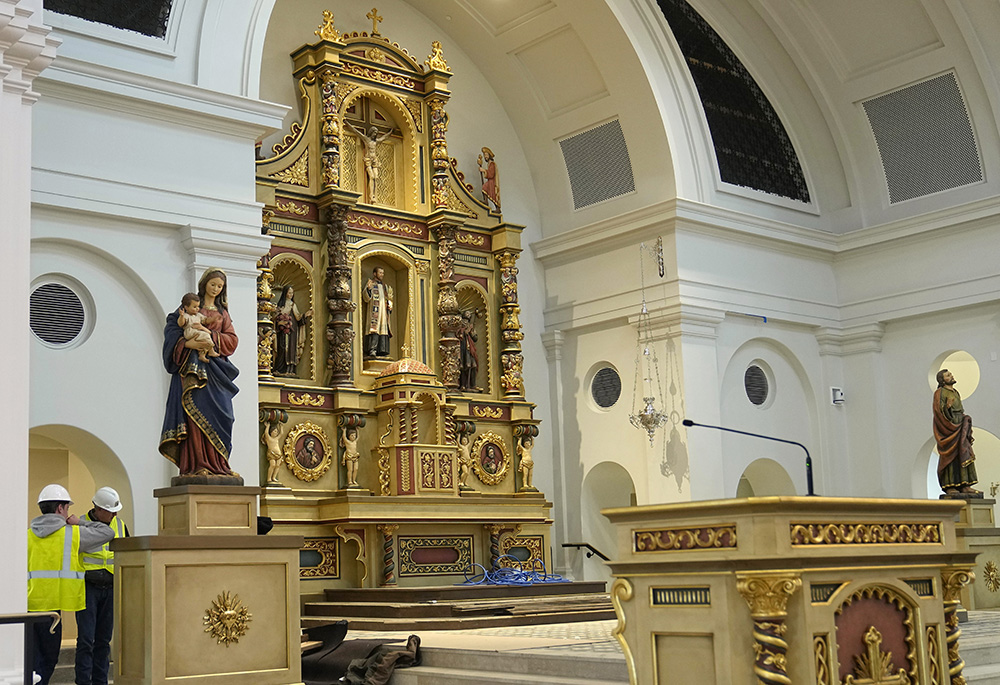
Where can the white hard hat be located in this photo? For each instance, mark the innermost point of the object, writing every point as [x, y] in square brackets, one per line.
[106, 498]
[54, 493]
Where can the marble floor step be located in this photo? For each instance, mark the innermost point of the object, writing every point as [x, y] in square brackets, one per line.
[987, 674]
[520, 667]
[415, 625]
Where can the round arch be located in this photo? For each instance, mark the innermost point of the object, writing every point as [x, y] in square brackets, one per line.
[605, 485]
[765, 478]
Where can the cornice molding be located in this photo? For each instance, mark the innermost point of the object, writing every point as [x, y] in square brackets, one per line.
[161, 99]
[843, 342]
[26, 48]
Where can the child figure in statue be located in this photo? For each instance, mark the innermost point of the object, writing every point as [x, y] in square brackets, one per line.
[270, 439]
[349, 441]
[192, 321]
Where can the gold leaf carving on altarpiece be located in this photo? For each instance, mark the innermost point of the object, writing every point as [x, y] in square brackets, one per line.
[329, 565]
[305, 400]
[473, 239]
[292, 208]
[326, 30]
[297, 174]
[488, 412]
[416, 111]
[457, 205]
[681, 539]
[387, 225]
[378, 76]
[865, 533]
[227, 619]
[875, 667]
[375, 55]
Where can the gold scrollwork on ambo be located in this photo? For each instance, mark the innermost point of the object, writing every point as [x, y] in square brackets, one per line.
[292, 208]
[227, 619]
[621, 592]
[379, 76]
[821, 657]
[875, 665]
[297, 174]
[488, 412]
[865, 533]
[306, 462]
[679, 539]
[933, 656]
[305, 400]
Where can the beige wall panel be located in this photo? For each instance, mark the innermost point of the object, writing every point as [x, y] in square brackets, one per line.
[684, 659]
[190, 593]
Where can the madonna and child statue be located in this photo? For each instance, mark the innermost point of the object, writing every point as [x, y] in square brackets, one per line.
[198, 340]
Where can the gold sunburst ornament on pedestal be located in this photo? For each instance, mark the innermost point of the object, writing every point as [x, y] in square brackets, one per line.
[991, 574]
[227, 618]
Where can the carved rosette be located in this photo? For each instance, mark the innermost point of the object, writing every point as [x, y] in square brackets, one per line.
[339, 302]
[265, 324]
[767, 596]
[449, 316]
[953, 579]
[439, 153]
[388, 562]
[511, 359]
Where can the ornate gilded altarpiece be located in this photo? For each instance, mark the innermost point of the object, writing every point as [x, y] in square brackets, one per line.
[389, 340]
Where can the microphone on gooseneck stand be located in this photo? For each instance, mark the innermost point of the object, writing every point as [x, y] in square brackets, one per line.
[809, 464]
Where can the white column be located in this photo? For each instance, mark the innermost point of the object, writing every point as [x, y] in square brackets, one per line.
[567, 519]
[25, 49]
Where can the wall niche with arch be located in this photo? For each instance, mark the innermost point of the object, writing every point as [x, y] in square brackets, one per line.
[294, 332]
[398, 277]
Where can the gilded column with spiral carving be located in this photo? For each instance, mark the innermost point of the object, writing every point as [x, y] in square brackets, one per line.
[329, 109]
[265, 310]
[511, 359]
[388, 562]
[767, 597]
[449, 316]
[494, 529]
[952, 581]
[339, 300]
[439, 153]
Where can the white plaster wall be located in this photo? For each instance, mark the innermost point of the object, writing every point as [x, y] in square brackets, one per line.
[140, 182]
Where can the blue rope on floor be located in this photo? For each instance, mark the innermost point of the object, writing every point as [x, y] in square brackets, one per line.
[508, 570]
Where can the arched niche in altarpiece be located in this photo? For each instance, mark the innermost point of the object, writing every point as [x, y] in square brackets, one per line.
[292, 270]
[400, 276]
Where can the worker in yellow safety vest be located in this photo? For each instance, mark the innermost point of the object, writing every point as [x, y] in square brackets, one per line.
[55, 571]
[95, 623]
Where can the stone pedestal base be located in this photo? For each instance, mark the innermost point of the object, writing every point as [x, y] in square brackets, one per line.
[976, 530]
[207, 606]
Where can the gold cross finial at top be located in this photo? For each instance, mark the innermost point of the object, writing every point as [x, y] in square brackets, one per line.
[373, 15]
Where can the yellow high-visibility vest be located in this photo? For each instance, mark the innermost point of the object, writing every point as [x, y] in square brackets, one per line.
[104, 557]
[55, 574]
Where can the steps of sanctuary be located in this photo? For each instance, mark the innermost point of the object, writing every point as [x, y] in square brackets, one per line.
[461, 606]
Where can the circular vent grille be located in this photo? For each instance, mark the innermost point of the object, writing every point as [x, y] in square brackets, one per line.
[57, 314]
[755, 384]
[606, 387]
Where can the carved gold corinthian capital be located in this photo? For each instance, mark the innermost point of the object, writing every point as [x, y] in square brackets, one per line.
[767, 595]
[953, 580]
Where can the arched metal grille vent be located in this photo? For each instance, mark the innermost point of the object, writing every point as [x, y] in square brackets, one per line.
[755, 384]
[751, 144]
[148, 17]
[57, 314]
[598, 164]
[606, 387]
[924, 138]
